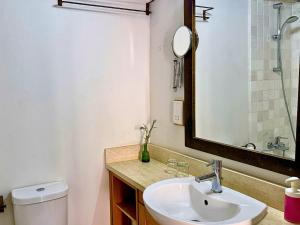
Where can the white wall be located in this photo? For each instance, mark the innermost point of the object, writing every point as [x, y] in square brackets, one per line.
[222, 73]
[167, 16]
[71, 84]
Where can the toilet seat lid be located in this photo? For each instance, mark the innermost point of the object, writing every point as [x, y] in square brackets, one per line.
[39, 193]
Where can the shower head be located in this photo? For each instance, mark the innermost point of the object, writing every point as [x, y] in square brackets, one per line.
[289, 20]
[292, 19]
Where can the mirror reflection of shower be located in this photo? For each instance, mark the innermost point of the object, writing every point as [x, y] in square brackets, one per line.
[239, 98]
[279, 68]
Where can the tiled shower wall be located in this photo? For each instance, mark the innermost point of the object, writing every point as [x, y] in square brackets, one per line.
[295, 59]
[268, 116]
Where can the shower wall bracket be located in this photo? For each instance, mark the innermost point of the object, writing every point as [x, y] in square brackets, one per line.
[147, 11]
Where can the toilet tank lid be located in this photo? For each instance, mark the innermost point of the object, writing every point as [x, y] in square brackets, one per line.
[39, 193]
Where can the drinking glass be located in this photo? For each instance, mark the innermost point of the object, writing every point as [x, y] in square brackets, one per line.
[182, 169]
[171, 166]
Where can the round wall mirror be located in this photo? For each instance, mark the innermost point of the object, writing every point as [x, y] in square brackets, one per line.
[182, 41]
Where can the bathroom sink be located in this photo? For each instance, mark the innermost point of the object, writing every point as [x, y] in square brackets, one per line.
[182, 201]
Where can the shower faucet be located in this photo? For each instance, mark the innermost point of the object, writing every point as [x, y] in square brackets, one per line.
[277, 144]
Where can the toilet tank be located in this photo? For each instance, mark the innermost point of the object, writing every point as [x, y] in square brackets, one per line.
[45, 204]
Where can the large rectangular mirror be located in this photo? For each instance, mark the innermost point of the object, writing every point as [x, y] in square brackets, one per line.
[242, 90]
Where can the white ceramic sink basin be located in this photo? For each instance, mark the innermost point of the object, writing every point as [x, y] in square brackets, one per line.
[182, 201]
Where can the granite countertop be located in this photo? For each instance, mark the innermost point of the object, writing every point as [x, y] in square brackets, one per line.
[141, 175]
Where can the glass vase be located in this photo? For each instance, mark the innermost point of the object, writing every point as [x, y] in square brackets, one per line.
[145, 154]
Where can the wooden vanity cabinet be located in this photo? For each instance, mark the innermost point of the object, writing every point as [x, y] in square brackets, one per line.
[126, 204]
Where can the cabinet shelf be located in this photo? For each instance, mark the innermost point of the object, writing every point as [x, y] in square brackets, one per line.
[128, 209]
[127, 206]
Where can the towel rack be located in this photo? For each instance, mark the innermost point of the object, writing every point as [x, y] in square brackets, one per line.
[205, 15]
[147, 11]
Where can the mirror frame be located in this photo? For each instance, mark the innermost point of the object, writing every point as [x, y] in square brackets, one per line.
[265, 161]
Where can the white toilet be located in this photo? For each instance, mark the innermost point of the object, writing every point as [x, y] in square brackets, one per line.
[45, 204]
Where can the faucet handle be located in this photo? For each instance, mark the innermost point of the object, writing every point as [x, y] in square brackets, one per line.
[215, 163]
[212, 162]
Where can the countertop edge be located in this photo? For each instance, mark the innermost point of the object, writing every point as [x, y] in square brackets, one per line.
[125, 178]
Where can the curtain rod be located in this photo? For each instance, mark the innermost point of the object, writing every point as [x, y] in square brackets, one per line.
[147, 11]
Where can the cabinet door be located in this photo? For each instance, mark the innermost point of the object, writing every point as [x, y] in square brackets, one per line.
[149, 219]
[142, 215]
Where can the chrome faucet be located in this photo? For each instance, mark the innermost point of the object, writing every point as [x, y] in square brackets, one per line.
[277, 144]
[215, 176]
